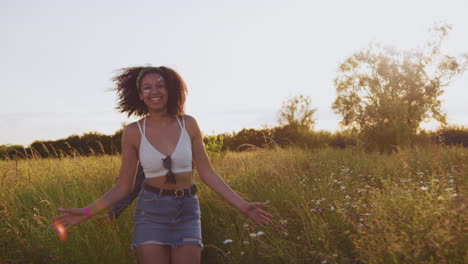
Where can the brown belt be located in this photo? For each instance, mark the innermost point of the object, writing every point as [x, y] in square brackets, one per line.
[179, 193]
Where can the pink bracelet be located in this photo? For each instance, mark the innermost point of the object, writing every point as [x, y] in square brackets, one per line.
[88, 214]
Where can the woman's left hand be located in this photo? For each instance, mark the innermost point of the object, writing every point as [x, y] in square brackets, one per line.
[252, 211]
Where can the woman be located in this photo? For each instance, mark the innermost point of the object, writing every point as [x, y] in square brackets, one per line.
[165, 142]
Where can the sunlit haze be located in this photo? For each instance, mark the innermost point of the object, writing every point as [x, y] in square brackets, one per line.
[240, 59]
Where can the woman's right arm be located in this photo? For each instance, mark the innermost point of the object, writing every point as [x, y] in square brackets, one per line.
[119, 207]
[130, 136]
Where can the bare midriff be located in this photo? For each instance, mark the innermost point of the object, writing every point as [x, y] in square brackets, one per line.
[183, 179]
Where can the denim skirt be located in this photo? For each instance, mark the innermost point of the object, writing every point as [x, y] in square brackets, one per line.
[166, 220]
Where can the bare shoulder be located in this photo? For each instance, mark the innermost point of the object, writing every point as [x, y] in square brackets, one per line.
[189, 120]
[131, 134]
[191, 125]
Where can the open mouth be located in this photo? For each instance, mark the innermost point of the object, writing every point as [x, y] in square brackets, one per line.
[156, 99]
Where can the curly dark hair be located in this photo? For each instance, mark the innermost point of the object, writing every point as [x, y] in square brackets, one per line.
[129, 101]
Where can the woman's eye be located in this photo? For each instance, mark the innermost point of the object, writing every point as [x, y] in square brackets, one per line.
[147, 90]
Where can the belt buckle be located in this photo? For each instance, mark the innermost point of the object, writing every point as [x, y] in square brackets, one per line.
[176, 194]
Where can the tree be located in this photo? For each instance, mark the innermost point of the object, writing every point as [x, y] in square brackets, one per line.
[297, 112]
[384, 94]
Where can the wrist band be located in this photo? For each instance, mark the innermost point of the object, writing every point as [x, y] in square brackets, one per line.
[88, 214]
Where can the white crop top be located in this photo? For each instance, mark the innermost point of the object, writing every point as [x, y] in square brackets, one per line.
[152, 160]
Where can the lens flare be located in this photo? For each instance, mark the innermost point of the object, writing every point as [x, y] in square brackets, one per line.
[61, 231]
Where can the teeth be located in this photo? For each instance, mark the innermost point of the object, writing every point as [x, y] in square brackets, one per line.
[155, 99]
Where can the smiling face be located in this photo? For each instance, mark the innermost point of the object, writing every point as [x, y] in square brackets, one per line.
[153, 92]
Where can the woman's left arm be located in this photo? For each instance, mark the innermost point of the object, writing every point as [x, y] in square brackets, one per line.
[215, 182]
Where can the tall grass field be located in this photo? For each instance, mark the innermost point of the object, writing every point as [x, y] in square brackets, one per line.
[329, 206]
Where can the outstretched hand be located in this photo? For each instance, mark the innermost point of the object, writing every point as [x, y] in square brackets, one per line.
[253, 212]
[70, 217]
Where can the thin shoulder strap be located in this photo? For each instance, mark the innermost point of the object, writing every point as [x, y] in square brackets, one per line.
[183, 122]
[178, 121]
[139, 127]
[144, 126]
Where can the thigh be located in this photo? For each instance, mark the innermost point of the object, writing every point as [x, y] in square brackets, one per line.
[153, 254]
[186, 254]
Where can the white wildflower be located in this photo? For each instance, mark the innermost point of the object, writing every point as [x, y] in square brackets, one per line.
[227, 241]
[246, 242]
[342, 187]
[253, 235]
[260, 233]
[424, 188]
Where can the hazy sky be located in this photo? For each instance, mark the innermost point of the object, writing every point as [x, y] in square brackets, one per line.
[240, 59]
